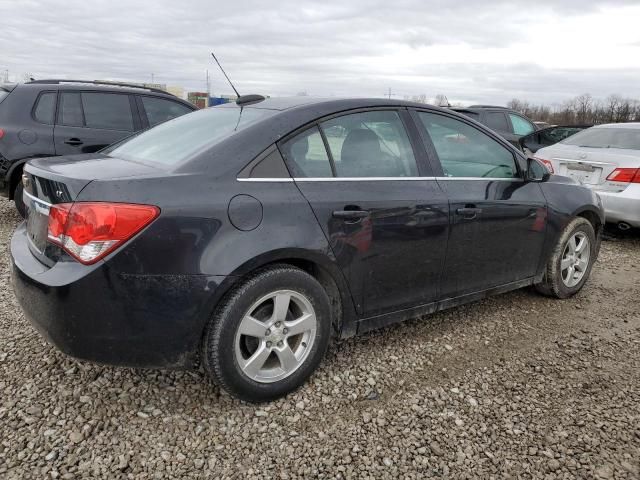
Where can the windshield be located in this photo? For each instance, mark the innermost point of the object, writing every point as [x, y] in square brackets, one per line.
[628, 138]
[175, 141]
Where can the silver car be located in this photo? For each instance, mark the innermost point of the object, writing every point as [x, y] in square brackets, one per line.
[605, 158]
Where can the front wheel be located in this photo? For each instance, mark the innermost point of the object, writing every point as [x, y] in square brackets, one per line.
[571, 260]
[269, 334]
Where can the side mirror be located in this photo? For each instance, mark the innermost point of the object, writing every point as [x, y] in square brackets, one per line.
[537, 171]
[529, 142]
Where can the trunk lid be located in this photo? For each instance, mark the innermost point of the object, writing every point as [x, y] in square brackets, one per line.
[591, 166]
[60, 180]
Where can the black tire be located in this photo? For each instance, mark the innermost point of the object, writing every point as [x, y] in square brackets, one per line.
[218, 346]
[17, 198]
[552, 283]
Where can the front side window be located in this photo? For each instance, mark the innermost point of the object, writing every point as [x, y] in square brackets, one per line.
[159, 110]
[110, 111]
[496, 121]
[46, 108]
[465, 151]
[307, 156]
[520, 125]
[370, 144]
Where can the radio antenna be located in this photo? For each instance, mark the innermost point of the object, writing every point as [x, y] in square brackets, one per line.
[225, 75]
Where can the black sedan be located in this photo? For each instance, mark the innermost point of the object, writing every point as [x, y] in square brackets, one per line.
[246, 236]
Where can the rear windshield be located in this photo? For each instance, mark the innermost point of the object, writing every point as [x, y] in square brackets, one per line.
[177, 140]
[628, 138]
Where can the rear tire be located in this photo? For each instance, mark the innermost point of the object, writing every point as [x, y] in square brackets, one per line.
[268, 335]
[571, 261]
[18, 200]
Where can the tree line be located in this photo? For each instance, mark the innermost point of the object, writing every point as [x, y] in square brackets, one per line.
[582, 110]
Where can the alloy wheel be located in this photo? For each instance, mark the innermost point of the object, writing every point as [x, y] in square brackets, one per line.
[275, 336]
[575, 259]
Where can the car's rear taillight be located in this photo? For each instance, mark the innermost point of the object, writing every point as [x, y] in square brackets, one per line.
[88, 231]
[1, 133]
[547, 163]
[625, 175]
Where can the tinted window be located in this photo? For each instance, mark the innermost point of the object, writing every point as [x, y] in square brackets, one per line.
[520, 125]
[554, 135]
[496, 121]
[177, 140]
[307, 156]
[46, 108]
[370, 144]
[110, 111]
[628, 138]
[71, 110]
[465, 151]
[159, 110]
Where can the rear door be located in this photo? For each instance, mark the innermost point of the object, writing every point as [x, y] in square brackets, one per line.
[498, 220]
[88, 121]
[383, 213]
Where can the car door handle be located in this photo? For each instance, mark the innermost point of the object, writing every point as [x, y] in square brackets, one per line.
[469, 212]
[350, 214]
[74, 142]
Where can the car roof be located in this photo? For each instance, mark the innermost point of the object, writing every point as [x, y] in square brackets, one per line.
[96, 85]
[630, 125]
[338, 103]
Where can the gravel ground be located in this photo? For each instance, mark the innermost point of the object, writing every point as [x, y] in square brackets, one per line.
[516, 386]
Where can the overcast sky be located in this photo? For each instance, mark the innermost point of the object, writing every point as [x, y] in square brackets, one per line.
[472, 51]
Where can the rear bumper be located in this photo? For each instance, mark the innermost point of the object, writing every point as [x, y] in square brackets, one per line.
[96, 314]
[622, 206]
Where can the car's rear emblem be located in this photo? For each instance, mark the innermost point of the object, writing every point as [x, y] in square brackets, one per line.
[582, 155]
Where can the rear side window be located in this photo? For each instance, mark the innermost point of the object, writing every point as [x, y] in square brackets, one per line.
[520, 125]
[370, 144]
[307, 156]
[45, 108]
[110, 111]
[71, 110]
[465, 151]
[159, 110]
[496, 121]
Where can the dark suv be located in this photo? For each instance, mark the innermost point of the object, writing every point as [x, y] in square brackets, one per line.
[46, 118]
[508, 123]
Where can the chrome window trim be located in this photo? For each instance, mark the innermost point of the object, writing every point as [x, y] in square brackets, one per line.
[374, 179]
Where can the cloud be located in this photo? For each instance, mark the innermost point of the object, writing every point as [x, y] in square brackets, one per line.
[486, 51]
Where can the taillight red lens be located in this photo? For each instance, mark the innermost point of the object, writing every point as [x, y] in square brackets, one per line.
[547, 164]
[89, 231]
[1, 133]
[625, 175]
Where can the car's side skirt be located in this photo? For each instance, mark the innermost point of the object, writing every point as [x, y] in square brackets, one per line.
[379, 321]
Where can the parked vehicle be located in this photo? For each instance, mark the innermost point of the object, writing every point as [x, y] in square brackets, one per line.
[245, 237]
[547, 136]
[605, 158]
[45, 118]
[508, 123]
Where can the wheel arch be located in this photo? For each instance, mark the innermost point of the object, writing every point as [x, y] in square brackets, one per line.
[316, 264]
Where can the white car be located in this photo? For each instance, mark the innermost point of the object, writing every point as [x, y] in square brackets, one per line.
[605, 158]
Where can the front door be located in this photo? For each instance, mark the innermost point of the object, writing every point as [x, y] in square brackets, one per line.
[90, 121]
[498, 221]
[387, 226]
